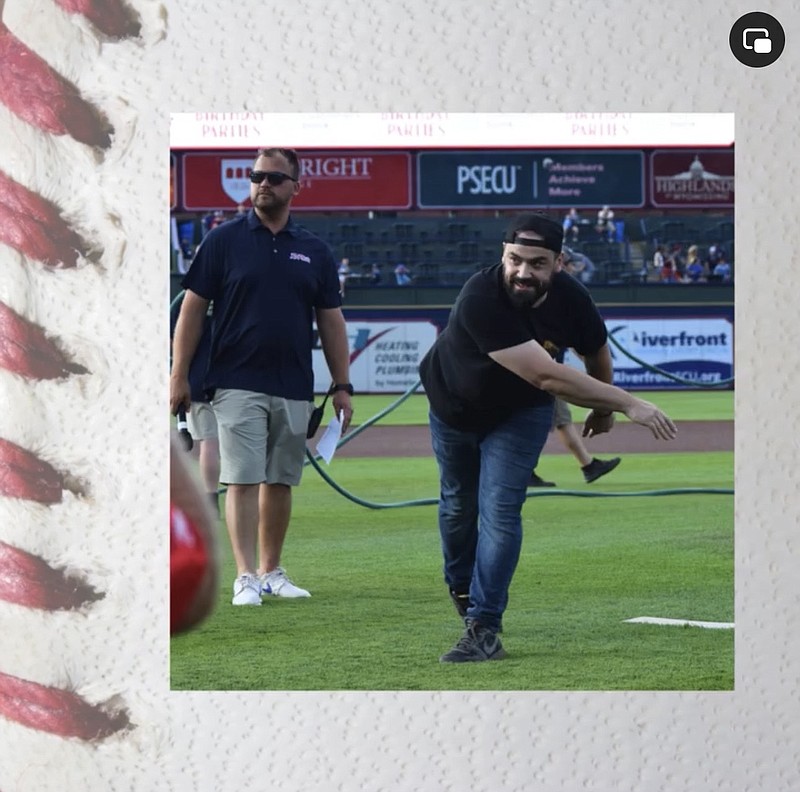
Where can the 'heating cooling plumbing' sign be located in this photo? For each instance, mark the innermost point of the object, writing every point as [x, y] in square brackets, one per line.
[384, 356]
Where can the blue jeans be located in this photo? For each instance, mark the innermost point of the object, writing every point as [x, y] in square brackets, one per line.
[483, 482]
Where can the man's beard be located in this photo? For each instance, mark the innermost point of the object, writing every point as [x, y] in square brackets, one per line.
[526, 298]
[269, 203]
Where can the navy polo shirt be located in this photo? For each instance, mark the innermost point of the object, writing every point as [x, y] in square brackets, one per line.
[265, 288]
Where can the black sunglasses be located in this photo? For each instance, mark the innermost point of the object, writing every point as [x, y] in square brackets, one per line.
[274, 178]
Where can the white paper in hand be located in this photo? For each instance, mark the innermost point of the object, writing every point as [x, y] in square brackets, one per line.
[326, 447]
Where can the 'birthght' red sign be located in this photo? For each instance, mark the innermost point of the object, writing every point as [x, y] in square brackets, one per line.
[328, 179]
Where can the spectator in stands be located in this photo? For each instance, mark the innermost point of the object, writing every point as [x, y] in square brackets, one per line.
[212, 220]
[722, 269]
[184, 256]
[376, 274]
[186, 248]
[605, 223]
[667, 272]
[578, 265]
[695, 272]
[241, 209]
[568, 433]
[713, 257]
[402, 275]
[675, 256]
[572, 225]
[658, 261]
[344, 274]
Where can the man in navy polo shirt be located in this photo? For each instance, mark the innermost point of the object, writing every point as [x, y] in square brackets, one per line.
[269, 278]
[490, 378]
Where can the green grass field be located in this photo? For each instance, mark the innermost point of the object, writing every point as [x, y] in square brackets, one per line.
[379, 615]
[708, 405]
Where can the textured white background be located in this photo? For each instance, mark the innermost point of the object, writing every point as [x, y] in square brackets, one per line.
[111, 428]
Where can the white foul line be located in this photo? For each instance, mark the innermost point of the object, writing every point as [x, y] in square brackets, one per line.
[681, 623]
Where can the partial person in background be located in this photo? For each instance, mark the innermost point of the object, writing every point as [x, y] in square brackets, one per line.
[572, 225]
[675, 256]
[344, 273]
[722, 269]
[193, 552]
[402, 274]
[200, 419]
[578, 265]
[658, 261]
[605, 226]
[713, 255]
[695, 271]
[591, 467]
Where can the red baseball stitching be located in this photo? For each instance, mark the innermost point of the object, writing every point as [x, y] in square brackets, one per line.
[111, 17]
[24, 475]
[36, 93]
[56, 710]
[42, 97]
[35, 227]
[27, 351]
[26, 579]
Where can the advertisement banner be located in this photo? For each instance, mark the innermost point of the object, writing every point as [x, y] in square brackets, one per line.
[692, 179]
[697, 350]
[519, 179]
[384, 356]
[329, 180]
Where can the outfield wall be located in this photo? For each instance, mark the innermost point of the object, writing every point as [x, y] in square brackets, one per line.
[693, 342]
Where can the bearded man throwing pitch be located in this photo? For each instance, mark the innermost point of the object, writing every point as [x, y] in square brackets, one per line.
[490, 378]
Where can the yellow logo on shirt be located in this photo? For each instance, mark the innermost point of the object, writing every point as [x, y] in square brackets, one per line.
[551, 349]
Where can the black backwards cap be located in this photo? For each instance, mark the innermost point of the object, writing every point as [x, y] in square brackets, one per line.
[550, 230]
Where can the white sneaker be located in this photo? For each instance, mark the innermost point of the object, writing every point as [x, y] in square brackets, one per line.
[246, 590]
[277, 584]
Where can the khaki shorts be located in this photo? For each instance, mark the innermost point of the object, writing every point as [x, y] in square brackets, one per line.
[261, 438]
[561, 413]
[201, 421]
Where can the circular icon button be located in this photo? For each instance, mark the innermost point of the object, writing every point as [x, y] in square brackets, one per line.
[757, 39]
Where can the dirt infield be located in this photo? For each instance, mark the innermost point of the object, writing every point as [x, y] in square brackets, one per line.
[411, 441]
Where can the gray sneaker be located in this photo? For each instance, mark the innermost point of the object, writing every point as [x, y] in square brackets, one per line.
[478, 643]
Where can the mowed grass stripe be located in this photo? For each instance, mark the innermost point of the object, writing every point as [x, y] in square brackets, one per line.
[380, 617]
[708, 405]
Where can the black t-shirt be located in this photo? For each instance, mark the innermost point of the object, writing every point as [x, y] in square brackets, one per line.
[465, 387]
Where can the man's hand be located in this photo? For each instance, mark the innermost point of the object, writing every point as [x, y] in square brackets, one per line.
[341, 402]
[597, 423]
[179, 393]
[647, 414]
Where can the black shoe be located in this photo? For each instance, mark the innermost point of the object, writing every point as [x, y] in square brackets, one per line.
[536, 481]
[461, 601]
[599, 467]
[475, 645]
